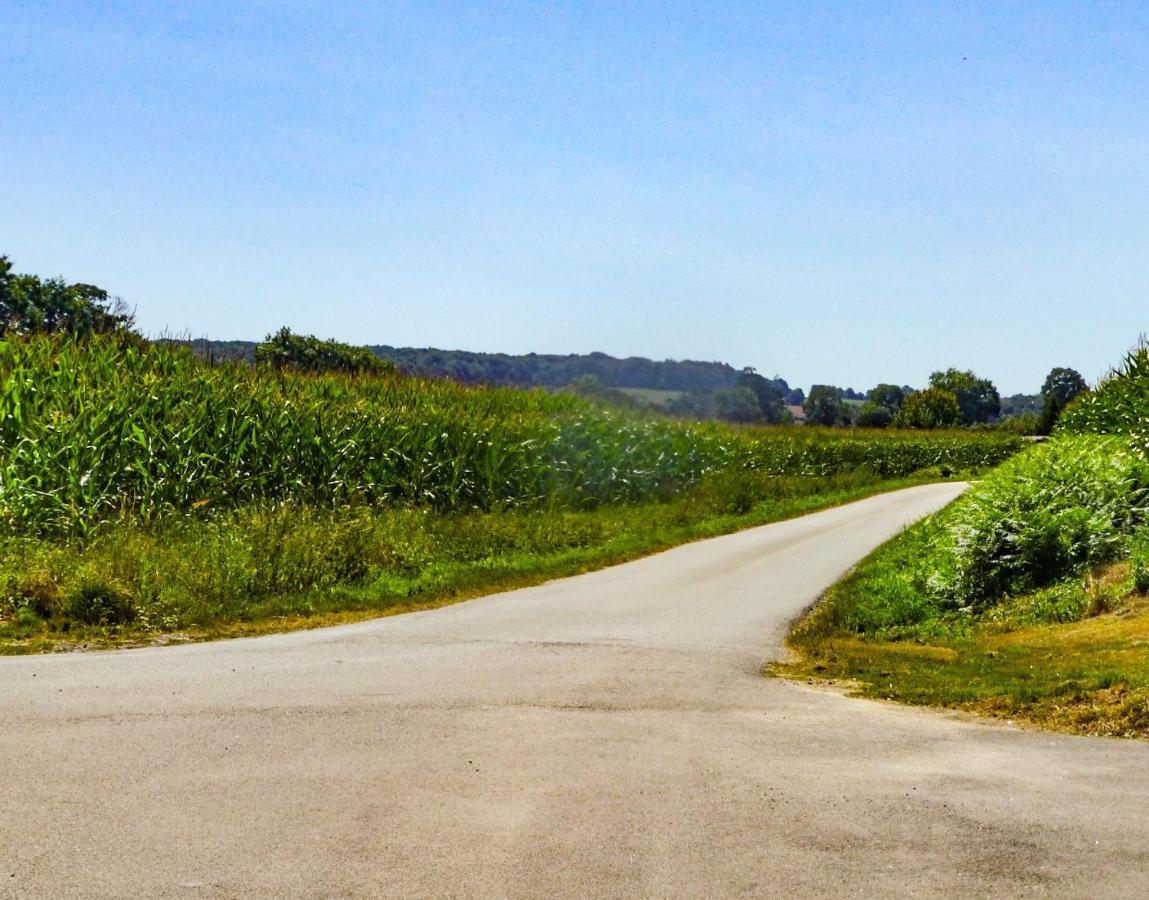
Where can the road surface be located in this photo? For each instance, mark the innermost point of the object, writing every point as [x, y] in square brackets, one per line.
[609, 735]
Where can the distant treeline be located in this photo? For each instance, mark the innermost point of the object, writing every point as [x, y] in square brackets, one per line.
[529, 370]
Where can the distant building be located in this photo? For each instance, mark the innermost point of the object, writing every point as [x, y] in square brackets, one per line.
[797, 412]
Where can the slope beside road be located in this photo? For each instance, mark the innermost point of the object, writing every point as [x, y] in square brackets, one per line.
[609, 735]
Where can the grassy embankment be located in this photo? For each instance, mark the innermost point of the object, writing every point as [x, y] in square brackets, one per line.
[1025, 599]
[145, 494]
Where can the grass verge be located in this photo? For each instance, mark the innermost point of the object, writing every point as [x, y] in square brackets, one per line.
[269, 568]
[1071, 657]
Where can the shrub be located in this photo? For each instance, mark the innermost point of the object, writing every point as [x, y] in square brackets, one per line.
[1140, 561]
[307, 353]
[100, 603]
[37, 592]
[871, 415]
[932, 408]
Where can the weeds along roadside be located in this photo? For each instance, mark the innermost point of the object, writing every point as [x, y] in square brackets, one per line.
[1026, 598]
[276, 567]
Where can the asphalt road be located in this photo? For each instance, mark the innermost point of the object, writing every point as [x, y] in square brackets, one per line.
[609, 735]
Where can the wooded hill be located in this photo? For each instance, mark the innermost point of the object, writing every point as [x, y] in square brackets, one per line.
[532, 369]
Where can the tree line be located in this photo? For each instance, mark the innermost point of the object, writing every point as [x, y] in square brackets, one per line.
[705, 390]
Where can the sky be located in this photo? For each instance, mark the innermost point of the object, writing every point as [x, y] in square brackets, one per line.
[845, 193]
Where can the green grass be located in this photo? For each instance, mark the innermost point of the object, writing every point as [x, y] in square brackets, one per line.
[274, 567]
[1025, 598]
[1072, 658]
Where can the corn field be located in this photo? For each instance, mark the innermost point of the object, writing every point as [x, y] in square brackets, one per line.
[97, 430]
[1120, 405]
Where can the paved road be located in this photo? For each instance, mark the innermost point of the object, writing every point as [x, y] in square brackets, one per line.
[602, 736]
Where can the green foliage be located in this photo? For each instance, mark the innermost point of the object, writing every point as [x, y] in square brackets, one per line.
[1060, 387]
[93, 431]
[1043, 516]
[981, 604]
[767, 394]
[889, 396]
[977, 398]
[307, 353]
[932, 408]
[1139, 553]
[1026, 423]
[1119, 405]
[100, 603]
[824, 406]
[555, 371]
[1063, 385]
[873, 415]
[31, 305]
[1021, 404]
[270, 560]
[590, 388]
[738, 404]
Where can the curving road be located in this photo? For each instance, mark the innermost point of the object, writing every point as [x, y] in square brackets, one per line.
[609, 735]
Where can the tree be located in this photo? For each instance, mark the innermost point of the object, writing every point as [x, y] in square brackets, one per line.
[932, 408]
[590, 388]
[31, 305]
[1063, 385]
[824, 406]
[1060, 387]
[766, 393]
[873, 415]
[889, 396]
[307, 353]
[977, 398]
[738, 404]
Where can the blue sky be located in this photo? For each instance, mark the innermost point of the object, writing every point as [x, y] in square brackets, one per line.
[844, 193]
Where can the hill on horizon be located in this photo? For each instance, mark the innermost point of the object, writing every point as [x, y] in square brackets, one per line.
[525, 370]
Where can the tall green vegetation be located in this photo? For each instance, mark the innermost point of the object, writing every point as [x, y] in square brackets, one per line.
[1056, 535]
[306, 353]
[1047, 514]
[1119, 405]
[32, 305]
[824, 406]
[932, 408]
[1061, 386]
[144, 488]
[94, 430]
[977, 398]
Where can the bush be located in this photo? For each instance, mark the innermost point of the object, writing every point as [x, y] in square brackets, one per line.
[307, 353]
[932, 408]
[101, 603]
[1140, 561]
[36, 592]
[871, 415]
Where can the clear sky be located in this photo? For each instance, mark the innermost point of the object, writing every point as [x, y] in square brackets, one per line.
[833, 192]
